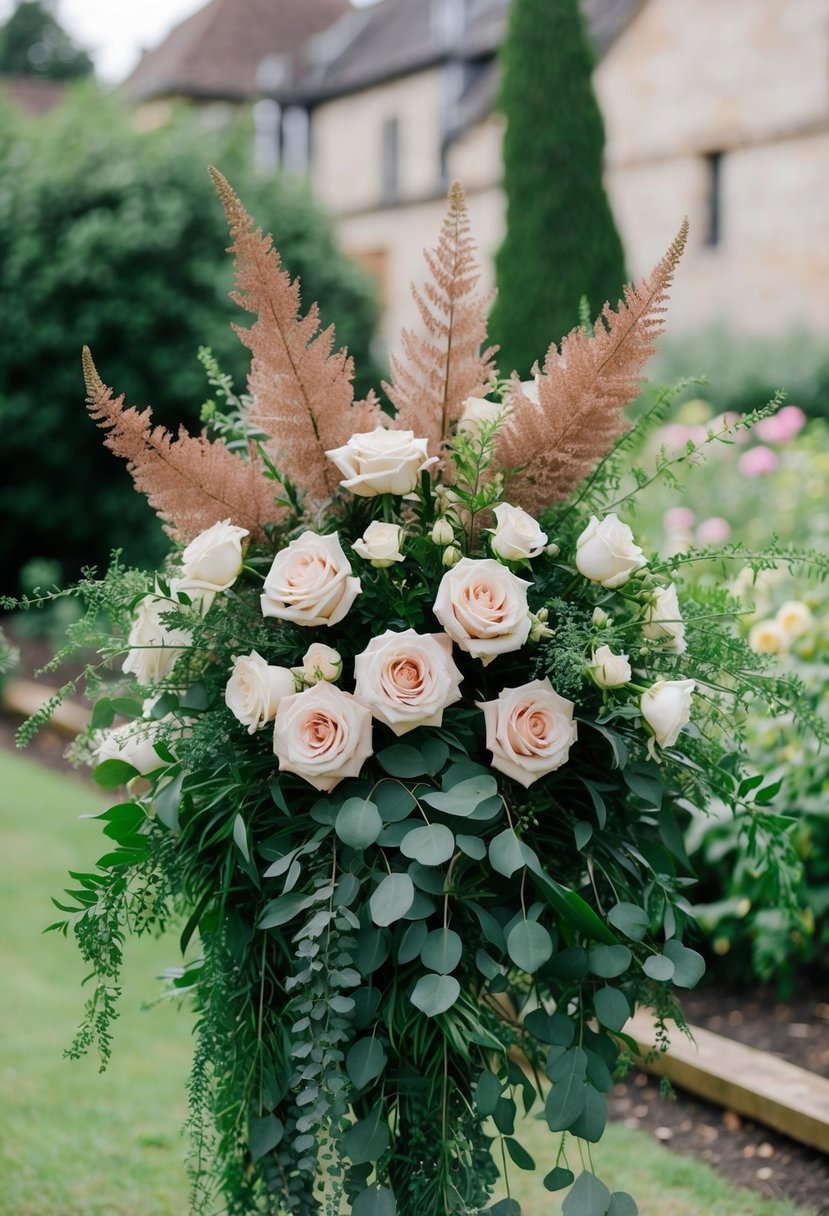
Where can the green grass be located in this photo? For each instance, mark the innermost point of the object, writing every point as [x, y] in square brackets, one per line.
[76, 1143]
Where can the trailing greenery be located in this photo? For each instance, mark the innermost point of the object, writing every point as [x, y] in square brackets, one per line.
[561, 242]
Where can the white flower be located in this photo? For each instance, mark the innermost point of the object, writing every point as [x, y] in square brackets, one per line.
[382, 461]
[529, 731]
[213, 559]
[538, 625]
[663, 620]
[600, 618]
[483, 607]
[320, 662]
[794, 618]
[768, 637]
[322, 735]
[516, 535]
[451, 556]
[606, 552]
[442, 533]
[310, 582]
[609, 670]
[407, 679]
[380, 544]
[154, 648]
[478, 411]
[134, 744]
[666, 707]
[254, 690]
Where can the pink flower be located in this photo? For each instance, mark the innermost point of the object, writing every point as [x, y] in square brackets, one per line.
[529, 731]
[407, 679]
[782, 426]
[713, 531]
[679, 518]
[322, 735]
[758, 461]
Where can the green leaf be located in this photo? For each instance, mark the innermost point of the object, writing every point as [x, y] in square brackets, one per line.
[658, 967]
[391, 899]
[375, 1201]
[393, 801]
[629, 919]
[486, 1093]
[264, 1135]
[358, 823]
[612, 1008]
[472, 846]
[529, 945]
[365, 1061]
[567, 1098]
[240, 836]
[110, 774]
[486, 964]
[609, 961]
[504, 1116]
[367, 1140]
[434, 994]
[168, 801]
[286, 907]
[519, 1154]
[553, 1028]
[598, 1073]
[571, 964]
[689, 966]
[435, 753]
[372, 951]
[401, 760]
[413, 940]
[441, 951]
[506, 854]
[431, 844]
[504, 1207]
[622, 1204]
[589, 1197]
[591, 1122]
[103, 714]
[558, 1178]
[573, 909]
[127, 707]
[617, 743]
[646, 784]
[595, 791]
[582, 831]
[463, 798]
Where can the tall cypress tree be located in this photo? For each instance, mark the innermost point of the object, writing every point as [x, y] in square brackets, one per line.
[561, 241]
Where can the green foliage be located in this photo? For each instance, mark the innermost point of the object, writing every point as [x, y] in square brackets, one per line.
[32, 43]
[561, 243]
[113, 238]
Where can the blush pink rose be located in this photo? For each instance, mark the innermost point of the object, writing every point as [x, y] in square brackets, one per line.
[323, 735]
[782, 426]
[758, 461]
[310, 582]
[529, 731]
[713, 531]
[483, 607]
[407, 679]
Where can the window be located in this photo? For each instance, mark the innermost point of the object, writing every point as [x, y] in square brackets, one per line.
[713, 224]
[391, 159]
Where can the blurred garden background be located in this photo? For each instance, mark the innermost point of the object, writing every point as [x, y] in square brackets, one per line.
[583, 133]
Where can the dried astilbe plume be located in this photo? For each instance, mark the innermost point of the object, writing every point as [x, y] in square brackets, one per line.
[188, 480]
[437, 373]
[302, 393]
[582, 392]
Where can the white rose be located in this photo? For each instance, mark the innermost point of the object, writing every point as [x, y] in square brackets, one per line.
[483, 607]
[380, 544]
[663, 620]
[320, 662]
[529, 731]
[322, 735]
[407, 679]
[516, 535]
[442, 533]
[154, 648]
[254, 690]
[310, 582]
[609, 670]
[213, 559]
[794, 618]
[666, 707]
[606, 552]
[768, 637]
[134, 744]
[382, 461]
[478, 411]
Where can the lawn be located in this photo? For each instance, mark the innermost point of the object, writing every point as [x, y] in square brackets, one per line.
[76, 1143]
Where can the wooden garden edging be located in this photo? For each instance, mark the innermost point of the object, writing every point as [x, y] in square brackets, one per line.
[25, 697]
[740, 1078]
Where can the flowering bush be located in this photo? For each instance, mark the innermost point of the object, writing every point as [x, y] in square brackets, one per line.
[424, 718]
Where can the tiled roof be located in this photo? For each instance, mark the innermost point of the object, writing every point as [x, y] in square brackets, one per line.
[216, 52]
[31, 94]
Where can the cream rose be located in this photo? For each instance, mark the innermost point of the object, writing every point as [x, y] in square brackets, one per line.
[407, 679]
[794, 618]
[310, 582]
[442, 533]
[213, 559]
[529, 731]
[606, 552]
[134, 744]
[320, 662]
[254, 690]
[382, 461]
[666, 707]
[478, 411]
[322, 735]
[154, 648]
[380, 544]
[663, 620]
[768, 637]
[483, 607]
[516, 535]
[609, 670]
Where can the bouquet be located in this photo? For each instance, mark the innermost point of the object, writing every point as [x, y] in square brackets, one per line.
[404, 735]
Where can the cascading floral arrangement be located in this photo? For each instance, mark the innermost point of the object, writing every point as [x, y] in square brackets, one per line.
[412, 722]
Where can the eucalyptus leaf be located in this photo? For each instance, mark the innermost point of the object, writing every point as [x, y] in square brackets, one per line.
[529, 945]
[431, 845]
[504, 1207]
[658, 967]
[372, 951]
[264, 1135]
[434, 994]
[609, 961]
[393, 801]
[402, 760]
[589, 1197]
[486, 1093]
[442, 951]
[391, 899]
[463, 798]
[629, 919]
[504, 1116]
[375, 1201]
[358, 823]
[505, 853]
[591, 1122]
[622, 1204]
[558, 1178]
[368, 1139]
[689, 966]
[612, 1008]
[365, 1061]
[472, 846]
[519, 1154]
[412, 941]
